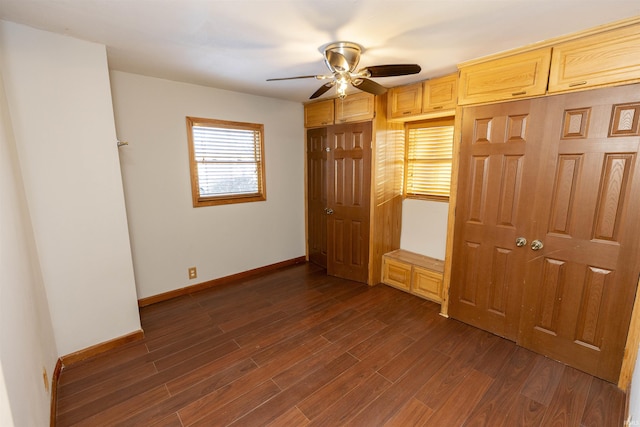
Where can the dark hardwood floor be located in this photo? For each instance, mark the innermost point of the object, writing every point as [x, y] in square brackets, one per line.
[296, 347]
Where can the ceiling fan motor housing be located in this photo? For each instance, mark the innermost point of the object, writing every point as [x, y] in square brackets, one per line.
[342, 57]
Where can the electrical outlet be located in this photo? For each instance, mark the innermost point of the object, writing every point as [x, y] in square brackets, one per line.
[193, 273]
[45, 378]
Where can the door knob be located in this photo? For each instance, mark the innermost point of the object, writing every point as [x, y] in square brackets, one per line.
[329, 211]
[536, 245]
[521, 241]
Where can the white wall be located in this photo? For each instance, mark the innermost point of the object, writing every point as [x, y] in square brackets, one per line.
[168, 234]
[424, 227]
[26, 337]
[58, 94]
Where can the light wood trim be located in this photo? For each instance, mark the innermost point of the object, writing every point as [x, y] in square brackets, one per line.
[54, 393]
[631, 348]
[94, 350]
[143, 302]
[198, 201]
[554, 41]
[453, 196]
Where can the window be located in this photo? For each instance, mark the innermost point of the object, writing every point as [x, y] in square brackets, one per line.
[226, 160]
[428, 159]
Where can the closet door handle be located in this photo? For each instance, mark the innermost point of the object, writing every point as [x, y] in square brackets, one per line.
[329, 211]
[521, 241]
[536, 245]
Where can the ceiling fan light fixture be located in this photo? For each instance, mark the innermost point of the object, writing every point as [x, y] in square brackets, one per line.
[341, 87]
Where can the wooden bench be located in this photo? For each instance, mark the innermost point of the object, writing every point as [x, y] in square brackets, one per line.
[411, 272]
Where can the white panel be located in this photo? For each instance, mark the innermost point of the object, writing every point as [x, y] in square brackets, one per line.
[424, 227]
[57, 90]
[168, 235]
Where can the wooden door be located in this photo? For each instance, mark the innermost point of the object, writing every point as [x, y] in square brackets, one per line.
[498, 162]
[580, 286]
[348, 200]
[317, 195]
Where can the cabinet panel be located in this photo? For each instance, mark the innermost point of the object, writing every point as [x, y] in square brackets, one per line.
[318, 114]
[405, 100]
[427, 283]
[396, 273]
[440, 94]
[601, 59]
[519, 76]
[356, 107]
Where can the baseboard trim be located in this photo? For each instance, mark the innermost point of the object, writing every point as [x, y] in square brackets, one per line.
[54, 392]
[143, 302]
[94, 350]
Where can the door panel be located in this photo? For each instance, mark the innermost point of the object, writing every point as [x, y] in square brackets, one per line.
[317, 195]
[571, 180]
[349, 198]
[498, 158]
[581, 285]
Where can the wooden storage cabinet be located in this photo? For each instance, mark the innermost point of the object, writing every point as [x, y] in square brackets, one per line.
[440, 94]
[405, 100]
[597, 60]
[355, 108]
[427, 283]
[318, 114]
[418, 274]
[519, 76]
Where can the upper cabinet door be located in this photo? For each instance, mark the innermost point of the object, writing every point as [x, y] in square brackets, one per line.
[405, 100]
[440, 94]
[355, 108]
[597, 60]
[317, 114]
[519, 76]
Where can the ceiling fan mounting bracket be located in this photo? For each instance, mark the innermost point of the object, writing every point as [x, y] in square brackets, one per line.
[342, 56]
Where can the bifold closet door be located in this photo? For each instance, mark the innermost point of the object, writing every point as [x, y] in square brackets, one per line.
[546, 250]
[581, 284]
[317, 175]
[498, 162]
[348, 200]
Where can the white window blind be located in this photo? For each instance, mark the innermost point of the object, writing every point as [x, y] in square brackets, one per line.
[428, 159]
[227, 163]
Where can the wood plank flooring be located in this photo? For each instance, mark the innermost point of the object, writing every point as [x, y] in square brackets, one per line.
[296, 347]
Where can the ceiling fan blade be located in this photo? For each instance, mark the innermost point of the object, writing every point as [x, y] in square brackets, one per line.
[393, 70]
[369, 86]
[325, 87]
[293, 78]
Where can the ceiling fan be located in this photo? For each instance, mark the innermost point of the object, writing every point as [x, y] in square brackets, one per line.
[342, 59]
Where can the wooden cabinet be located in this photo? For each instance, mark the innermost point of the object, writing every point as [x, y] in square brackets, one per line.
[418, 274]
[440, 94]
[423, 99]
[318, 114]
[519, 76]
[598, 60]
[355, 108]
[405, 100]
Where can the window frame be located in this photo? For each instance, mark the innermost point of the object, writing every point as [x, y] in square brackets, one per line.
[200, 201]
[438, 122]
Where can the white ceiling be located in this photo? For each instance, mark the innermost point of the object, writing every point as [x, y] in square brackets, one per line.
[238, 44]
